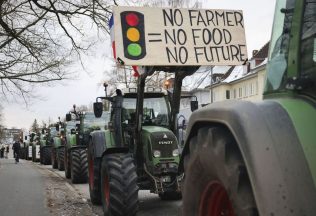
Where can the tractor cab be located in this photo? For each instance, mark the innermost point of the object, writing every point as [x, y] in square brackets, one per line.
[292, 57]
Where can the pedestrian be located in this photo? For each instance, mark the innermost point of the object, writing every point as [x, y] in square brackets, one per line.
[7, 149]
[16, 150]
[2, 151]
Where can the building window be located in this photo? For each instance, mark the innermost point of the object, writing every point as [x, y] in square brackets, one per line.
[227, 94]
[235, 93]
[239, 92]
[245, 91]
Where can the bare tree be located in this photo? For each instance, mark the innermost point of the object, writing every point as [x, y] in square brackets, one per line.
[1, 126]
[39, 39]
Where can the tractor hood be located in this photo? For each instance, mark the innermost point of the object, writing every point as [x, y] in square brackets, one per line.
[161, 139]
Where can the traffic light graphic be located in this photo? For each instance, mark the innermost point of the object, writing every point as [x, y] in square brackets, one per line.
[133, 30]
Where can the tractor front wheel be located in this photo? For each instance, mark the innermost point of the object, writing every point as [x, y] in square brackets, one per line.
[119, 190]
[216, 178]
[94, 176]
[54, 158]
[67, 164]
[60, 158]
[46, 155]
[79, 166]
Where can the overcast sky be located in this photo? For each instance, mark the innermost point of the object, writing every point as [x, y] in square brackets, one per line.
[56, 101]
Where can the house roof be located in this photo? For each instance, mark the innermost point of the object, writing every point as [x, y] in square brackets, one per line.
[262, 53]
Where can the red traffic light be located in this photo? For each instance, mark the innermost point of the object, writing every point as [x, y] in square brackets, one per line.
[132, 19]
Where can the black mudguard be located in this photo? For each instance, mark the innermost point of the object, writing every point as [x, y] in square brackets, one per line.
[98, 142]
[280, 177]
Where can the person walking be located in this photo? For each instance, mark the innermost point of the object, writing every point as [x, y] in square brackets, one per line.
[7, 149]
[2, 151]
[16, 150]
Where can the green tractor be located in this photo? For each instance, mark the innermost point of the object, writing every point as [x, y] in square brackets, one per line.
[78, 130]
[46, 145]
[28, 145]
[57, 155]
[76, 164]
[243, 158]
[35, 142]
[137, 151]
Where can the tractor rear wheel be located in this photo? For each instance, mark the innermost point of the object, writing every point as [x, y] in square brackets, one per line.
[94, 176]
[46, 155]
[60, 158]
[119, 190]
[79, 166]
[54, 158]
[216, 178]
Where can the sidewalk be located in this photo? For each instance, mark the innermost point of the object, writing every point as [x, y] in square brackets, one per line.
[21, 189]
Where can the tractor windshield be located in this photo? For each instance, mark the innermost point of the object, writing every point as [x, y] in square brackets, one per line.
[280, 48]
[70, 125]
[155, 111]
[53, 132]
[90, 121]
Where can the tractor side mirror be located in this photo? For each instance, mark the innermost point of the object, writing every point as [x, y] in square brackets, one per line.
[194, 105]
[57, 127]
[68, 117]
[25, 137]
[98, 109]
[73, 131]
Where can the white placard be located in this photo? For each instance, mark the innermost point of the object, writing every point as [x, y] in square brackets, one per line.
[179, 37]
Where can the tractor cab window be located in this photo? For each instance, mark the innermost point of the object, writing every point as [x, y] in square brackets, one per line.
[90, 121]
[155, 111]
[279, 45]
[53, 132]
[308, 47]
[70, 125]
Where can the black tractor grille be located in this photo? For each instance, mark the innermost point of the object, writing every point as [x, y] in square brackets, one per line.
[165, 142]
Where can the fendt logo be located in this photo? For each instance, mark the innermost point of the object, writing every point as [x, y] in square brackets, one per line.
[133, 31]
[165, 136]
[169, 142]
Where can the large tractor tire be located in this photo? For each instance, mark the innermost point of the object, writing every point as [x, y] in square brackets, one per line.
[54, 158]
[46, 155]
[79, 166]
[67, 164]
[216, 179]
[60, 158]
[94, 177]
[119, 190]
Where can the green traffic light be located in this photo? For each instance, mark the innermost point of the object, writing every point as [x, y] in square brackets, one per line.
[134, 49]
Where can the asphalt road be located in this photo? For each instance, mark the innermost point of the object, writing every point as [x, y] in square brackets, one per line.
[31, 189]
[21, 189]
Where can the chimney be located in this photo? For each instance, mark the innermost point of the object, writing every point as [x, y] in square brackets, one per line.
[254, 52]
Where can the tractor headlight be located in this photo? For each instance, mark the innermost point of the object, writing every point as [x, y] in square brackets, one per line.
[175, 153]
[157, 153]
